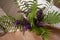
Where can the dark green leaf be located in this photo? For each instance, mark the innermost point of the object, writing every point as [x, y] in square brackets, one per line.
[33, 12]
[52, 17]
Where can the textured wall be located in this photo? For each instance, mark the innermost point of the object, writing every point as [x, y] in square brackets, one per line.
[2, 12]
[9, 7]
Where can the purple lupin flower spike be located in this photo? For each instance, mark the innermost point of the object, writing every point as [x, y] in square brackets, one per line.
[26, 25]
[39, 24]
[39, 14]
[17, 22]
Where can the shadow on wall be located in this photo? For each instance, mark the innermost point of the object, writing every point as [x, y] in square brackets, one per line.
[9, 7]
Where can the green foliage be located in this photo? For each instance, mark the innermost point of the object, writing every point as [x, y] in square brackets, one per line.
[52, 17]
[45, 33]
[7, 22]
[33, 12]
[41, 31]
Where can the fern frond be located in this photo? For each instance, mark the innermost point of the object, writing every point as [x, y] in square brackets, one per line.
[45, 33]
[33, 12]
[42, 31]
[52, 17]
[7, 22]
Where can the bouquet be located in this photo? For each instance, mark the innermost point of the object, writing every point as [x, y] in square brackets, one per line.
[31, 18]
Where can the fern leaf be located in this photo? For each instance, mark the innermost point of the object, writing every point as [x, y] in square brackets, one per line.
[52, 17]
[33, 12]
[7, 22]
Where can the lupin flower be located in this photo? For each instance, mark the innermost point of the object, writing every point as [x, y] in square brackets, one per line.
[18, 22]
[38, 23]
[26, 25]
[39, 14]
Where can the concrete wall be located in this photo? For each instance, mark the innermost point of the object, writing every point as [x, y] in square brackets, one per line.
[9, 7]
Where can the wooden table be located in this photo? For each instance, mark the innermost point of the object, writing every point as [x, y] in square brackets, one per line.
[19, 36]
[55, 35]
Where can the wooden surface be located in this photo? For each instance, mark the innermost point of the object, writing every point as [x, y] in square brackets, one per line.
[55, 35]
[19, 36]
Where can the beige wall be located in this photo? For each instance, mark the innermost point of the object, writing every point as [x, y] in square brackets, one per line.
[9, 7]
[2, 12]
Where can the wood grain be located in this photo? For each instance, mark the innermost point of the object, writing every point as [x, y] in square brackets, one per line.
[55, 35]
[19, 36]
